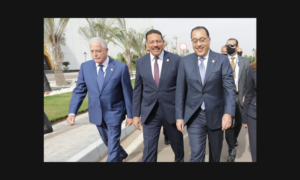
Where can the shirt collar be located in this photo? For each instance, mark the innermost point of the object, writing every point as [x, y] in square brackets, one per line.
[236, 57]
[206, 56]
[105, 63]
[161, 56]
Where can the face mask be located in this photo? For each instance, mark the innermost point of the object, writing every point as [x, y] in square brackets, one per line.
[230, 50]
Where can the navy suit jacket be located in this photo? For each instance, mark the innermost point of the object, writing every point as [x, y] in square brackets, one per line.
[113, 101]
[250, 96]
[218, 91]
[146, 93]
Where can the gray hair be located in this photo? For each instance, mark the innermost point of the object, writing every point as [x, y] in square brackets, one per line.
[99, 40]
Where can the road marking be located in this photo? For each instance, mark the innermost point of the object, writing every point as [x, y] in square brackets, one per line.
[134, 144]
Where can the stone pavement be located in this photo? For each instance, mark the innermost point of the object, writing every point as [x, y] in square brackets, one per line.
[165, 153]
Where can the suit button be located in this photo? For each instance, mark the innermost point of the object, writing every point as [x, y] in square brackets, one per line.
[255, 104]
[202, 92]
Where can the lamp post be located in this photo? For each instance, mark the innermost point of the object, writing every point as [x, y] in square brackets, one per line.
[84, 55]
[253, 50]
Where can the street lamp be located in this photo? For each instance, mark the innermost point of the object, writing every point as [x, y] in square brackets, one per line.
[84, 55]
[253, 50]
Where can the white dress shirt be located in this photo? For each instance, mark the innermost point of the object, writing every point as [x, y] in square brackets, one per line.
[159, 62]
[105, 64]
[205, 64]
[236, 79]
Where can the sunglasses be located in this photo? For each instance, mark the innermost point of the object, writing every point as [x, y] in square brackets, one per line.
[230, 45]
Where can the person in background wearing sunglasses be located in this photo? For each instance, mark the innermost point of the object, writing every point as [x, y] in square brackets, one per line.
[239, 65]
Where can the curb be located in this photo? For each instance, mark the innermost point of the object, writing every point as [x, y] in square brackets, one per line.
[98, 149]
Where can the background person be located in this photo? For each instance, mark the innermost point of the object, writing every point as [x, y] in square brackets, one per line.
[204, 97]
[167, 142]
[154, 97]
[239, 65]
[110, 94]
[47, 89]
[249, 111]
[224, 50]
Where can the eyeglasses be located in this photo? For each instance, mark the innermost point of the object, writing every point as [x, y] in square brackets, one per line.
[230, 45]
[202, 40]
[157, 42]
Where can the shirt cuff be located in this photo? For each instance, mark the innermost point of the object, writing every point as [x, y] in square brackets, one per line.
[72, 114]
[179, 119]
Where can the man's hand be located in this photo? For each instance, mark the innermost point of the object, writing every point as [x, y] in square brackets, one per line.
[180, 124]
[137, 122]
[226, 121]
[128, 121]
[245, 125]
[71, 120]
[47, 92]
[243, 99]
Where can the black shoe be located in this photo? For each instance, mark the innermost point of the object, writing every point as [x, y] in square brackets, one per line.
[236, 144]
[48, 131]
[167, 142]
[232, 155]
[122, 158]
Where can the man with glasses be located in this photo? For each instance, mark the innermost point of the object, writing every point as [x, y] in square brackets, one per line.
[239, 65]
[154, 97]
[167, 142]
[205, 96]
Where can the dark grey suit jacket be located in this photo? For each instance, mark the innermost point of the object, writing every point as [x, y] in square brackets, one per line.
[218, 91]
[250, 96]
[243, 63]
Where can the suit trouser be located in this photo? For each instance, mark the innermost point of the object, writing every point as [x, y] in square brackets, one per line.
[151, 131]
[197, 130]
[232, 133]
[47, 125]
[110, 135]
[251, 123]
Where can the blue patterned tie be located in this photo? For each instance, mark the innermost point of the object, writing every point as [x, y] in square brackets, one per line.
[202, 74]
[100, 77]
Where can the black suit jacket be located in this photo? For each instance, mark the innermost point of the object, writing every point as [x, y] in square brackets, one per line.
[250, 96]
[46, 84]
[146, 93]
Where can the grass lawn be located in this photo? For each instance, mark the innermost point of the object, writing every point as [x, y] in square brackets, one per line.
[57, 106]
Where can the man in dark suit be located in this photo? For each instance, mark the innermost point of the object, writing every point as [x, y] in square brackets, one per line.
[154, 97]
[239, 65]
[47, 125]
[205, 97]
[110, 96]
[167, 142]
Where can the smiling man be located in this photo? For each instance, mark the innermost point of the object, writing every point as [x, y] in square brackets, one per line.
[205, 97]
[154, 97]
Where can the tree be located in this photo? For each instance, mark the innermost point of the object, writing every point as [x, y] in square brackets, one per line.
[100, 27]
[125, 38]
[54, 37]
[138, 44]
[250, 58]
[176, 43]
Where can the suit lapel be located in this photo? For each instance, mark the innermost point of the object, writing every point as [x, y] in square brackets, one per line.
[210, 66]
[148, 69]
[241, 66]
[109, 71]
[93, 71]
[164, 68]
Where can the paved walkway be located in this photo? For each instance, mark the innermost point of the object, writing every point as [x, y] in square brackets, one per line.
[165, 153]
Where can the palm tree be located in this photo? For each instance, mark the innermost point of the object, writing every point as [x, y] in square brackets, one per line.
[53, 37]
[138, 44]
[176, 43]
[100, 27]
[125, 41]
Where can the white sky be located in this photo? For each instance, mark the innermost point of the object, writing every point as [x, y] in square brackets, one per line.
[220, 30]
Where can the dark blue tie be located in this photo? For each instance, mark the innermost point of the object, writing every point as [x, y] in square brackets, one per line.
[100, 77]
